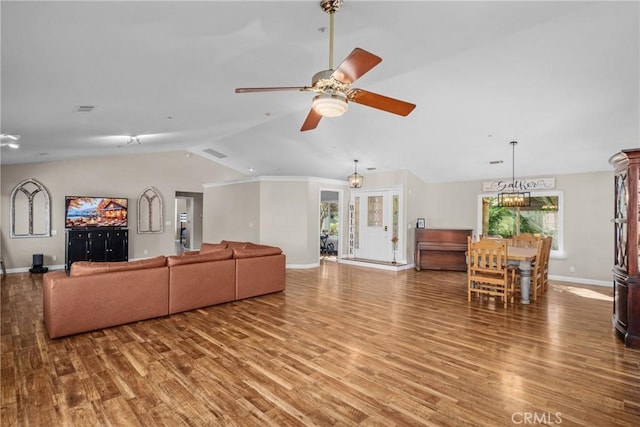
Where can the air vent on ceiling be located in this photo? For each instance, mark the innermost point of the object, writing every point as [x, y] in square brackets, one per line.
[215, 153]
[84, 108]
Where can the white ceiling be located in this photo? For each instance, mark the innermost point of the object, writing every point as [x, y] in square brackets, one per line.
[562, 78]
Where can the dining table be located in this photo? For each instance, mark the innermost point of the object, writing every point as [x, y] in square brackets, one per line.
[524, 258]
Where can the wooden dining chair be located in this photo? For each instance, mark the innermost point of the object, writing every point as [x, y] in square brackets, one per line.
[525, 240]
[488, 272]
[537, 273]
[546, 254]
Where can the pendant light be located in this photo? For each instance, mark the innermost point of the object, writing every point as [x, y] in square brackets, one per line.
[355, 180]
[513, 198]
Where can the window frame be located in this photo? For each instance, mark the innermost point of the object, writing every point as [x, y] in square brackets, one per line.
[556, 254]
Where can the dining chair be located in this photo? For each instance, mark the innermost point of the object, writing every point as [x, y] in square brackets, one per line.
[488, 272]
[525, 240]
[537, 273]
[546, 254]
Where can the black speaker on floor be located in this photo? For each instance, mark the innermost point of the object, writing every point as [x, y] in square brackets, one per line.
[38, 260]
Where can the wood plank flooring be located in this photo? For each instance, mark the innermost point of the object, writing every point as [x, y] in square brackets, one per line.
[344, 345]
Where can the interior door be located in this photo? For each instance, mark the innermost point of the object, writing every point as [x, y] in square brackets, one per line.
[375, 226]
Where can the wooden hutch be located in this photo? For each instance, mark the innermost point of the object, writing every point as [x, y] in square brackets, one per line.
[626, 268]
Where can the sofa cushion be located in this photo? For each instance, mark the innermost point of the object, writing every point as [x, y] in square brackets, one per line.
[212, 247]
[252, 252]
[233, 244]
[189, 253]
[210, 256]
[86, 268]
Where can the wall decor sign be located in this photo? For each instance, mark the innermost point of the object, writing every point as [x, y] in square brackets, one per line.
[150, 211]
[352, 212]
[535, 184]
[30, 210]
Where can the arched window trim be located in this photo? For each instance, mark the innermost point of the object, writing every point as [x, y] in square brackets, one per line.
[40, 189]
[145, 225]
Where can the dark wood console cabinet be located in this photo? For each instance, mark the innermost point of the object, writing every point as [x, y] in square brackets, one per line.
[96, 245]
[441, 249]
[626, 268]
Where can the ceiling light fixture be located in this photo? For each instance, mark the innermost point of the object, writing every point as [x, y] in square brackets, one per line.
[10, 141]
[330, 104]
[13, 145]
[355, 180]
[513, 198]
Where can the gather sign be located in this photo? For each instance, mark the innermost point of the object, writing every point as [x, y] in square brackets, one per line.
[519, 184]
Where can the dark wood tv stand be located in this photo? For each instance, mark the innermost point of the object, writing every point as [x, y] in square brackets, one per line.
[441, 249]
[100, 245]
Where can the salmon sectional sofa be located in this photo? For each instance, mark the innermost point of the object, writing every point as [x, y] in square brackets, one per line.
[96, 295]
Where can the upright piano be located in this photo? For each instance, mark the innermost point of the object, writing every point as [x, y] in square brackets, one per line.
[441, 248]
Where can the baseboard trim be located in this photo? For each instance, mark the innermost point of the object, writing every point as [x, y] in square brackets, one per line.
[578, 280]
[581, 280]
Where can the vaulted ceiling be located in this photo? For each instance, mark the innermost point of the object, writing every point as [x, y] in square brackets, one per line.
[560, 77]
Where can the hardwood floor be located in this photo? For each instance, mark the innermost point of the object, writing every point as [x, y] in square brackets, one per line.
[344, 345]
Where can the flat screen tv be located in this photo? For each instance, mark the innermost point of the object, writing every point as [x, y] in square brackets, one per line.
[90, 212]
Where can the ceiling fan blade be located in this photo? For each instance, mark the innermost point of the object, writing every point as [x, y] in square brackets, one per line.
[355, 65]
[269, 89]
[380, 102]
[311, 122]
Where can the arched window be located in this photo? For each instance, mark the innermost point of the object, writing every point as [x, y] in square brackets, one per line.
[30, 210]
[150, 212]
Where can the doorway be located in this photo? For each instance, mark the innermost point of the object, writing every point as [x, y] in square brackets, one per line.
[188, 221]
[377, 226]
[330, 223]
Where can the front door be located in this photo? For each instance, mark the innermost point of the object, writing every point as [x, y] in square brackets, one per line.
[377, 223]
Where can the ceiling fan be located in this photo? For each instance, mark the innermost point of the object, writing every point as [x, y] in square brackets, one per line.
[333, 87]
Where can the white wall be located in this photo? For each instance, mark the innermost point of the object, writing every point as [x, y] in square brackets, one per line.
[231, 211]
[588, 233]
[123, 176]
[278, 211]
[285, 212]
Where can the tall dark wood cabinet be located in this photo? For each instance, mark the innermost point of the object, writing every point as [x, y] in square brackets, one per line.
[626, 273]
[96, 245]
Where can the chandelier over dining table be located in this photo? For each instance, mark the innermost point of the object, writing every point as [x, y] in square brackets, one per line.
[513, 198]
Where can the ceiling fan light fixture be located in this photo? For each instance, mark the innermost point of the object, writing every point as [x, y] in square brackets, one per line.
[330, 104]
